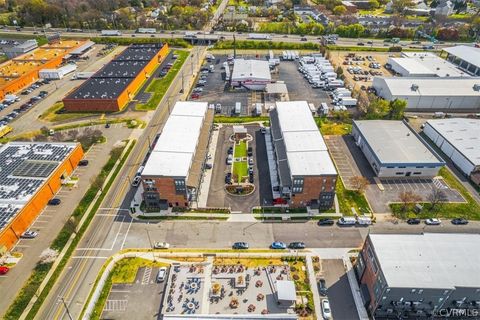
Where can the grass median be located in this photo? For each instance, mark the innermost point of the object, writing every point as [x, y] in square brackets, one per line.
[159, 86]
[41, 270]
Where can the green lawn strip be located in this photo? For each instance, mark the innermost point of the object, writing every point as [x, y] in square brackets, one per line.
[224, 119]
[329, 127]
[158, 87]
[240, 170]
[469, 210]
[55, 113]
[37, 276]
[174, 42]
[191, 217]
[255, 44]
[350, 198]
[102, 299]
[240, 149]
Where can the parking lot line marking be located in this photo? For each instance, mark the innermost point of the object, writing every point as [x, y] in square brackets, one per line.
[126, 234]
[146, 275]
[22, 246]
[120, 291]
[89, 257]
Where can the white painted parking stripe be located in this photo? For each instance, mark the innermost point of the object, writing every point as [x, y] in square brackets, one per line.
[146, 276]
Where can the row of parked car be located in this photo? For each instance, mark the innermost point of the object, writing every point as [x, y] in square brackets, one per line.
[436, 221]
[297, 245]
[24, 107]
[202, 81]
[345, 221]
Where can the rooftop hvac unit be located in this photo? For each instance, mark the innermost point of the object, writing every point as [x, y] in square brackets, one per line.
[414, 87]
[476, 87]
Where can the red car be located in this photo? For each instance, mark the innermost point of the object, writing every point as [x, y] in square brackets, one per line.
[4, 270]
[195, 96]
[279, 201]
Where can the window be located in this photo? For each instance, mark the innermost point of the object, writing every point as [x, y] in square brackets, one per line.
[399, 173]
[297, 190]
[417, 173]
[375, 266]
[390, 167]
[402, 167]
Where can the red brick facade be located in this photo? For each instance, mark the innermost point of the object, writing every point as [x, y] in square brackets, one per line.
[166, 189]
[312, 187]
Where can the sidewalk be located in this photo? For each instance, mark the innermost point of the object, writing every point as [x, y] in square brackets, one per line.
[205, 185]
[313, 286]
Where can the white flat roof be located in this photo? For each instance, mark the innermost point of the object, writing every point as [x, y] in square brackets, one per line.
[251, 69]
[431, 260]
[412, 66]
[463, 134]
[174, 151]
[306, 150]
[431, 86]
[466, 53]
[286, 290]
[437, 65]
[393, 142]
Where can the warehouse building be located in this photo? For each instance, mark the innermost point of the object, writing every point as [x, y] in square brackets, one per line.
[420, 276]
[22, 48]
[113, 86]
[459, 139]
[59, 73]
[30, 175]
[251, 74]
[23, 70]
[431, 94]
[465, 57]
[306, 174]
[424, 64]
[393, 149]
[173, 171]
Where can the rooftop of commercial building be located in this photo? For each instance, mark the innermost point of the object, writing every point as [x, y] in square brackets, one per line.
[430, 86]
[255, 69]
[412, 66]
[430, 260]
[438, 66]
[24, 168]
[469, 54]
[463, 134]
[299, 140]
[174, 150]
[393, 142]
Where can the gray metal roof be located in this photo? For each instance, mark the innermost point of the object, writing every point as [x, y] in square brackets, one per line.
[469, 54]
[393, 142]
[431, 260]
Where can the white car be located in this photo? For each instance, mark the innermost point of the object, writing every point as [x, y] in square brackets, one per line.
[136, 181]
[326, 311]
[433, 222]
[161, 245]
[29, 234]
[162, 274]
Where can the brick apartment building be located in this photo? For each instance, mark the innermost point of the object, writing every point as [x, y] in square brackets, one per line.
[173, 170]
[420, 276]
[306, 175]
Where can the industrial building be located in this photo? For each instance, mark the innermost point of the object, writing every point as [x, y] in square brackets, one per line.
[113, 86]
[459, 139]
[59, 73]
[22, 48]
[431, 94]
[31, 174]
[424, 64]
[22, 71]
[251, 74]
[418, 276]
[305, 173]
[465, 57]
[173, 171]
[393, 149]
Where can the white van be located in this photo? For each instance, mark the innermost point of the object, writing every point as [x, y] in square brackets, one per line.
[347, 221]
[364, 221]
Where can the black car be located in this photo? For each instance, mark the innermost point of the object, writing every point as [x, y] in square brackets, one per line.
[326, 222]
[459, 221]
[249, 151]
[228, 178]
[240, 245]
[303, 39]
[83, 163]
[250, 178]
[322, 287]
[297, 245]
[54, 202]
[360, 44]
[230, 150]
[413, 221]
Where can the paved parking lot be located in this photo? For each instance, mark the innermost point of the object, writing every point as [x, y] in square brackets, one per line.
[141, 299]
[339, 292]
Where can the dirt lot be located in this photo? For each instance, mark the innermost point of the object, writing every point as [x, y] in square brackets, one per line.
[339, 57]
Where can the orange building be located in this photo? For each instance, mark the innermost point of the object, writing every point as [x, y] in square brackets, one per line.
[31, 175]
[23, 70]
[113, 86]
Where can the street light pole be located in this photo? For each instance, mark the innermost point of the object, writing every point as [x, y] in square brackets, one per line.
[66, 308]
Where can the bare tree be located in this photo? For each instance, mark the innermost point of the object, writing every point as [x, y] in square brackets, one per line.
[408, 198]
[436, 197]
[58, 136]
[71, 225]
[73, 134]
[360, 183]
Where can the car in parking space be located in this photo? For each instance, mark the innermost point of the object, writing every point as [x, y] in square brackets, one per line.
[250, 170]
[229, 159]
[83, 163]
[347, 221]
[279, 201]
[230, 150]
[250, 161]
[228, 178]
[4, 270]
[249, 151]
[29, 234]
[326, 311]
[326, 222]
[195, 96]
[413, 221]
[250, 178]
[278, 245]
[433, 222]
[54, 202]
[162, 274]
[240, 245]
[161, 245]
[459, 221]
[200, 84]
[322, 287]
[297, 245]
[263, 130]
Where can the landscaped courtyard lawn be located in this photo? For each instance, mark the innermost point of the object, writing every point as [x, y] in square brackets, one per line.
[240, 168]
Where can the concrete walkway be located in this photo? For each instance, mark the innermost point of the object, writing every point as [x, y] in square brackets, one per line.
[208, 284]
[207, 177]
[330, 253]
[242, 217]
[313, 286]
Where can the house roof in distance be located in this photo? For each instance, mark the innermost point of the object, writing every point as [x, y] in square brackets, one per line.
[463, 134]
[393, 142]
[430, 260]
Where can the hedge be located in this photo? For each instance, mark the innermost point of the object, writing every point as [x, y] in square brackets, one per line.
[174, 42]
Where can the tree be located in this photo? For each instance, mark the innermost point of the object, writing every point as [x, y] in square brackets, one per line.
[58, 136]
[44, 130]
[377, 109]
[399, 6]
[339, 10]
[397, 109]
[360, 183]
[73, 134]
[374, 4]
[436, 197]
[407, 198]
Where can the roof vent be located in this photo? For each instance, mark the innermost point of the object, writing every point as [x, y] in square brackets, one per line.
[476, 87]
[414, 87]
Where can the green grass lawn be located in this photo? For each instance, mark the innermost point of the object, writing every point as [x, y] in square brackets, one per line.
[56, 113]
[240, 169]
[158, 87]
[350, 198]
[126, 269]
[328, 127]
[240, 150]
[469, 210]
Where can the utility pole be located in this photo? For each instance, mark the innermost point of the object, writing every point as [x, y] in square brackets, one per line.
[66, 308]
